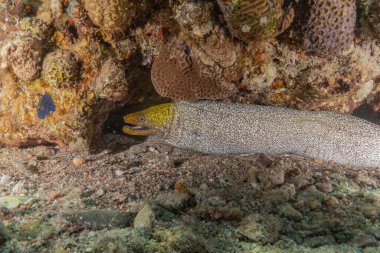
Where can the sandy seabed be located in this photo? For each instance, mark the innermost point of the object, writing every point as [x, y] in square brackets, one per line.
[135, 197]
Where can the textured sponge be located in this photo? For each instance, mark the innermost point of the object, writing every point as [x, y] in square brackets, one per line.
[331, 25]
[177, 74]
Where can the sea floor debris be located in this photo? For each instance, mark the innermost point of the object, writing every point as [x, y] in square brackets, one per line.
[173, 200]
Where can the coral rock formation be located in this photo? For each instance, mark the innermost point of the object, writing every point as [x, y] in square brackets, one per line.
[61, 68]
[24, 55]
[195, 17]
[331, 25]
[111, 84]
[256, 19]
[111, 14]
[373, 17]
[177, 74]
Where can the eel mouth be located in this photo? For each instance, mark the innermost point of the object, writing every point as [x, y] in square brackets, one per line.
[132, 129]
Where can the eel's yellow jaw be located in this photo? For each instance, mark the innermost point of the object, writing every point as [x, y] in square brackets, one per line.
[147, 121]
[136, 125]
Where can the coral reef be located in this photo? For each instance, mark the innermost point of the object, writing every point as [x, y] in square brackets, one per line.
[24, 54]
[373, 17]
[111, 14]
[330, 26]
[61, 68]
[255, 20]
[195, 18]
[111, 84]
[80, 59]
[341, 83]
[177, 74]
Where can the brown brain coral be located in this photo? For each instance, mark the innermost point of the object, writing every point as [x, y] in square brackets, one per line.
[111, 14]
[61, 68]
[177, 74]
[24, 55]
[111, 84]
[331, 25]
[256, 19]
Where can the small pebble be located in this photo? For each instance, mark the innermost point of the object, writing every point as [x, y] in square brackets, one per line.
[145, 218]
[318, 161]
[5, 179]
[313, 204]
[137, 149]
[54, 195]
[324, 186]
[372, 197]
[330, 201]
[78, 161]
[19, 188]
[119, 173]
[365, 240]
[272, 177]
[251, 176]
[42, 152]
[290, 212]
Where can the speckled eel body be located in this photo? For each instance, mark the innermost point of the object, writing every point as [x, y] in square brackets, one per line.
[219, 128]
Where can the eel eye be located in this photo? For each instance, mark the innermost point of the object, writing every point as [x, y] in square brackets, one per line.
[141, 119]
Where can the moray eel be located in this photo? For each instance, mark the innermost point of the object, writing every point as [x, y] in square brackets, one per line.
[218, 128]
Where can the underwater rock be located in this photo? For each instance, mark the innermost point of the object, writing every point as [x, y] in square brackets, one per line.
[111, 84]
[256, 20]
[99, 219]
[145, 217]
[61, 68]
[178, 239]
[177, 74]
[24, 54]
[3, 233]
[122, 240]
[34, 27]
[195, 18]
[330, 26]
[111, 14]
[309, 82]
[260, 228]
[373, 17]
[174, 200]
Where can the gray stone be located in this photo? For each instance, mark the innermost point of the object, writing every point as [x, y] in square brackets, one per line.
[42, 152]
[145, 218]
[365, 240]
[290, 212]
[137, 149]
[174, 200]
[272, 177]
[261, 229]
[99, 219]
[280, 195]
[317, 241]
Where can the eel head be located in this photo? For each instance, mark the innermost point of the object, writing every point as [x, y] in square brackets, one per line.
[147, 121]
